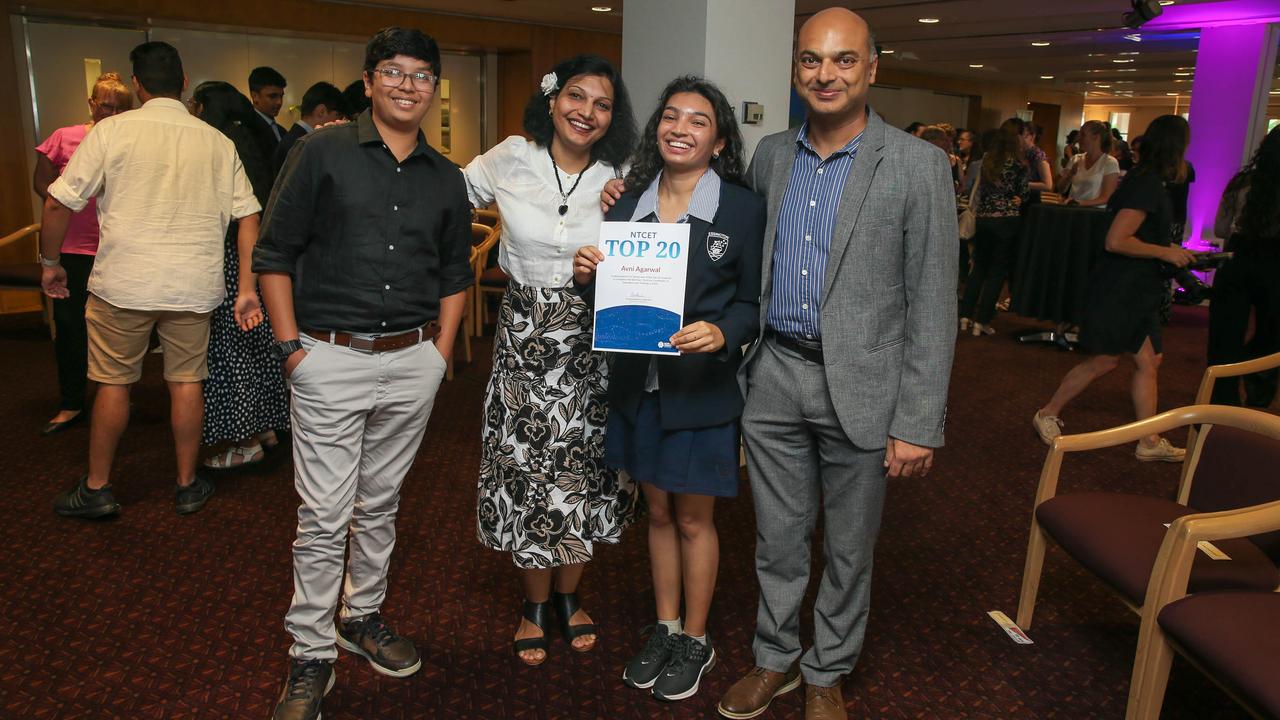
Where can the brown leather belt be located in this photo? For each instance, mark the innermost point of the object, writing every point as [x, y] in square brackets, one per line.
[382, 343]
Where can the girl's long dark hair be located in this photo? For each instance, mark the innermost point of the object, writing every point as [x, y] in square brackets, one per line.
[1260, 219]
[1004, 147]
[618, 141]
[221, 104]
[1164, 146]
[731, 163]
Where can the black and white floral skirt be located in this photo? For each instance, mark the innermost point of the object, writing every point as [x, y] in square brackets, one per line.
[545, 493]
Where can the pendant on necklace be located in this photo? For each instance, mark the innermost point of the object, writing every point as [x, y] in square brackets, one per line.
[564, 209]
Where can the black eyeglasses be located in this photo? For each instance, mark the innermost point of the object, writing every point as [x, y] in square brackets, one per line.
[394, 77]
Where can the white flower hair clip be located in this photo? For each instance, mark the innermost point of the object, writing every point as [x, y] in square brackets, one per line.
[549, 83]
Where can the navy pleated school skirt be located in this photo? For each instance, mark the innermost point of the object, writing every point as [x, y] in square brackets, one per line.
[702, 461]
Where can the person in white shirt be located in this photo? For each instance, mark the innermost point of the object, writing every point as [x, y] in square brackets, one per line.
[545, 494]
[167, 185]
[1093, 174]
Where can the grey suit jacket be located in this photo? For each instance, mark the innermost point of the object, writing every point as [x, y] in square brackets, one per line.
[889, 295]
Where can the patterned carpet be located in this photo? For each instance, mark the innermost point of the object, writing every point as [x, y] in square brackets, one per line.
[152, 615]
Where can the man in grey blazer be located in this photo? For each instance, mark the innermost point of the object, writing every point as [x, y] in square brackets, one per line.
[848, 387]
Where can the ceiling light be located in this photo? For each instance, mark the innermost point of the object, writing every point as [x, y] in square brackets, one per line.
[1135, 37]
[1127, 70]
[886, 51]
[1134, 52]
[1046, 77]
[1275, 92]
[601, 8]
[1182, 74]
[1166, 3]
[1040, 44]
[1104, 86]
[928, 21]
[1122, 60]
[1172, 94]
[975, 65]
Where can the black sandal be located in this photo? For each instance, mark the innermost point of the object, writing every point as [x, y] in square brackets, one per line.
[538, 614]
[566, 605]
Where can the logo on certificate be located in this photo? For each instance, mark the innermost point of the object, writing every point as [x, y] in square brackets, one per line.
[717, 244]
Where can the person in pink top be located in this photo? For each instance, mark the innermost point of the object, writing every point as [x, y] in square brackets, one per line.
[110, 96]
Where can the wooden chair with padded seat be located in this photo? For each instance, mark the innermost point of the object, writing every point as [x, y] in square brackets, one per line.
[485, 216]
[25, 275]
[1233, 637]
[478, 233]
[489, 280]
[1118, 536]
[1213, 373]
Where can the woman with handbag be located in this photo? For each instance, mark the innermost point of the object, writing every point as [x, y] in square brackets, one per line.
[996, 212]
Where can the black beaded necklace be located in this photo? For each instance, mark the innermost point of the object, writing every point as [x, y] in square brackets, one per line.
[564, 196]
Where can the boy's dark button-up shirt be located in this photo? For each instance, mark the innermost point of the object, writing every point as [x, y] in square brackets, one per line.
[372, 243]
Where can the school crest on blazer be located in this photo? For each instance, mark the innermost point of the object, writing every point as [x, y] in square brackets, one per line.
[717, 245]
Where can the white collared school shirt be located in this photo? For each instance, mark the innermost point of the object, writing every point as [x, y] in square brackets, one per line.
[538, 244]
[168, 184]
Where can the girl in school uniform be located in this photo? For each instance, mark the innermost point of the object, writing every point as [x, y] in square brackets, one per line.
[673, 420]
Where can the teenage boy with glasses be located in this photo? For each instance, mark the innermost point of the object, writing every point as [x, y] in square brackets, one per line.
[363, 261]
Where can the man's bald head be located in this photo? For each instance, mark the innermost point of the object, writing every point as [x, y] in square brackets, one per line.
[835, 65]
[838, 18]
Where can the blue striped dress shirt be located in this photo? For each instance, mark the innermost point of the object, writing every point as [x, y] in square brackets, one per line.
[803, 241]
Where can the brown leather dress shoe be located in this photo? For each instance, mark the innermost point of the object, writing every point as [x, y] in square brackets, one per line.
[751, 695]
[824, 703]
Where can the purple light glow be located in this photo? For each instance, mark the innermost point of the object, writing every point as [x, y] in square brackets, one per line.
[1215, 14]
[1221, 112]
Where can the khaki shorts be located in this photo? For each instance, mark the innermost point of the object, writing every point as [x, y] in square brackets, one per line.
[118, 342]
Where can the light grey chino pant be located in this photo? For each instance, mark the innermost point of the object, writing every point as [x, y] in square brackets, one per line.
[801, 462]
[358, 419]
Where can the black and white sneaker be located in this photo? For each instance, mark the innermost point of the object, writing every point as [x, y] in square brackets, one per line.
[644, 668]
[309, 681]
[690, 660]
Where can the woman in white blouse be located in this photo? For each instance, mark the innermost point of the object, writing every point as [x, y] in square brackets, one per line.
[545, 494]
[1093, 174]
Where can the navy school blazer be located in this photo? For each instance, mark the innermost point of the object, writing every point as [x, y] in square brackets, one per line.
[722, 287]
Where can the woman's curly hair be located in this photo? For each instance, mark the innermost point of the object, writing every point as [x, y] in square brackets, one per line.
[616, 145]
[731, 163]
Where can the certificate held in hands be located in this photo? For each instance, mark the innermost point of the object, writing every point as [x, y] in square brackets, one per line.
[640, 287]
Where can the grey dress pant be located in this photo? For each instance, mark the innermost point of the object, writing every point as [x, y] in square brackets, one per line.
[801, 462]
[358, 419]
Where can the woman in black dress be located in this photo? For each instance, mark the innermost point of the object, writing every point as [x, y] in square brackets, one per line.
[1249, 220]
[1127, 284]
[244, 397]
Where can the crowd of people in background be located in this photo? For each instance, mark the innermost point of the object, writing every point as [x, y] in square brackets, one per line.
[331, 318]
[1144, 184]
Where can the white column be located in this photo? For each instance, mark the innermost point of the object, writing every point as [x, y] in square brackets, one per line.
[743, 46]
[1228, 111]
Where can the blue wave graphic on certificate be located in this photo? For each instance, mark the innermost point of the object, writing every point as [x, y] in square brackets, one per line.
[637, 328]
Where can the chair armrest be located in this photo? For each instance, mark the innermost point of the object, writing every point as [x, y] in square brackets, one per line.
[480, 253]
[1214, 372]
[1172, 568]
[1252, 420]
[17, 235]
